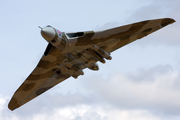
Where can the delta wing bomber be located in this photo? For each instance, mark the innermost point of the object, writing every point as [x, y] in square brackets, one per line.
[67, 54]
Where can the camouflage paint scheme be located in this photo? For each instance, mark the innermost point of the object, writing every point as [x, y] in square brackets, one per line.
[69, 53]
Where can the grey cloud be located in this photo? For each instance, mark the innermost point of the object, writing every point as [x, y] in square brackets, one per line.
[149, 75]
[154, 89]
[47, 102]
[154, 9]
[155, 92]
[80, 112]
[150, 89]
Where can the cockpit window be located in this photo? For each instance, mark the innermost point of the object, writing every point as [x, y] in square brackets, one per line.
[48, 26]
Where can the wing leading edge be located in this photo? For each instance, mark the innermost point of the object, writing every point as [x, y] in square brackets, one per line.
[114, 38]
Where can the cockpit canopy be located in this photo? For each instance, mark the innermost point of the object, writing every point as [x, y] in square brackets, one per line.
[48, 26]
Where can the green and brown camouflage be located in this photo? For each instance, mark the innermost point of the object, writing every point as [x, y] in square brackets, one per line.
[67, 54]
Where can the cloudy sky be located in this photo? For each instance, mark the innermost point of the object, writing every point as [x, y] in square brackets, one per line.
[141, 82]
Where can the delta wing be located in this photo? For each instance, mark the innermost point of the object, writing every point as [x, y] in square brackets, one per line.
[67, 54]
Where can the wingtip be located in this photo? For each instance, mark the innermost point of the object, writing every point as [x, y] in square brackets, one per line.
[171, 20]
[167, 21]
[13, 104]
[10, 107]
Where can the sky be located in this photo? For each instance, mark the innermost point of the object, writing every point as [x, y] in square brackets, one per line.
[141, 82]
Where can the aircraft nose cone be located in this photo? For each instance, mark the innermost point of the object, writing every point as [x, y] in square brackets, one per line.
[48, 33]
